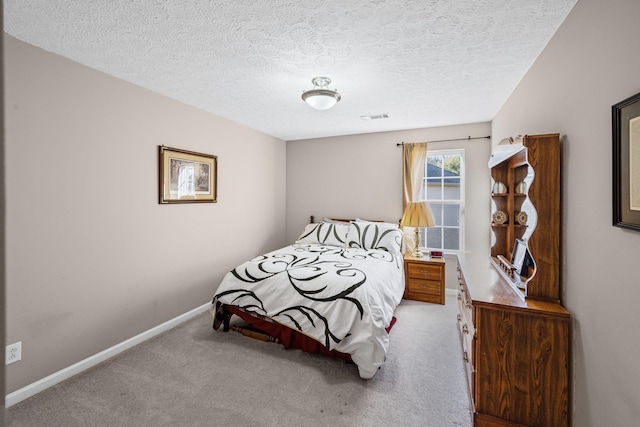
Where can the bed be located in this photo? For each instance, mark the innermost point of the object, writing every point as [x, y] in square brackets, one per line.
[333, 291]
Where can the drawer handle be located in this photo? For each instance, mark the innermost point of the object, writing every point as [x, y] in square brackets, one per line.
[466, 357]
[460, 296]
[459, 317]
[465, 329]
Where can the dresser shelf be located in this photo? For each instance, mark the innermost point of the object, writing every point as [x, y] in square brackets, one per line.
[535, 165]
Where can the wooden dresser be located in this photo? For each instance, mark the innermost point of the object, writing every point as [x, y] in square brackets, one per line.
[515, 333]
[424, 279]
[516, 351]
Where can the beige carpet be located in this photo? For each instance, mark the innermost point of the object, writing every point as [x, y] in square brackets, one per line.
[195, 376]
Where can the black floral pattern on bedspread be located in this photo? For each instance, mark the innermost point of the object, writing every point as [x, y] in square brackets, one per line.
[320, 274]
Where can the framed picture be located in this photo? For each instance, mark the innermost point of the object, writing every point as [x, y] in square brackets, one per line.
[187, 176]
[626, 163]
[520, 258]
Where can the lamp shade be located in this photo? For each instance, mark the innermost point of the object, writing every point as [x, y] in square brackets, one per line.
[321, 97]
[417, 214]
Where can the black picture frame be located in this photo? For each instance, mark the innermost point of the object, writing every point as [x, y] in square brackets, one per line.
[626, 163]
[520, 258]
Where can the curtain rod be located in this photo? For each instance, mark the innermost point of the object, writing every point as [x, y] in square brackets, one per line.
[469, 138]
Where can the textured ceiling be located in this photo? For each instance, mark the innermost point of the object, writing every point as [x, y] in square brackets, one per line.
[424, 63]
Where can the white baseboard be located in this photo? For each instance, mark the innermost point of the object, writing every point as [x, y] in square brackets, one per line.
[63, 374]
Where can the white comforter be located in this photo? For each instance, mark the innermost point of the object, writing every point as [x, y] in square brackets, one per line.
[343, 298]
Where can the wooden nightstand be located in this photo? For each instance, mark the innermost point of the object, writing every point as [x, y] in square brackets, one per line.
[424, 279]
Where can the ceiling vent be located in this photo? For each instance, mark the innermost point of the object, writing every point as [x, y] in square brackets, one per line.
[375, 116]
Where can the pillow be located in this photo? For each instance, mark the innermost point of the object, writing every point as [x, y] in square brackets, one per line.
[333, 221]
[375, 235]
[389, 224]
[325, 234]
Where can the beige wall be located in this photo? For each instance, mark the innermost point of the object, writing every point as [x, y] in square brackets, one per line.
[591, 63]
[2, 223]
[92, 258]
[361, 176]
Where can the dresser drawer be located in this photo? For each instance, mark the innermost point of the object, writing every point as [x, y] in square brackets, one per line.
[465, 308]
[467, 331]
[468, 352]
[471, 371]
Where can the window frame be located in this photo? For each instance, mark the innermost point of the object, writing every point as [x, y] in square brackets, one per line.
[461, 224]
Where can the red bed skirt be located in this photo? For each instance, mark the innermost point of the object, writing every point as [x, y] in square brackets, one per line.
[291, 338]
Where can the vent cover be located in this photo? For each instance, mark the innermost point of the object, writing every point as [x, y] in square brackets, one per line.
[375, 116]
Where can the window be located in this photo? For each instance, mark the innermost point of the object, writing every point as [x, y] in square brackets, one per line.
[444, 187]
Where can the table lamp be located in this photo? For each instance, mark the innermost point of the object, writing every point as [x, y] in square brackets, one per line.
[417, 214]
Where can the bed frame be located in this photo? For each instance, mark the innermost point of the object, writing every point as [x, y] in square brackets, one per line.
[266, 330]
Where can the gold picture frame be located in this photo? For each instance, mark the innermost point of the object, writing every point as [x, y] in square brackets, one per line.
[187, 176]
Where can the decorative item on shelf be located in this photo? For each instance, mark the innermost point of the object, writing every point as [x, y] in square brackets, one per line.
[520, 258]
[521, 188]
[417, 214]
[321, 97]
[521, 217]
[506, 266]
[499, 188]
[511, 140]
[500, 217]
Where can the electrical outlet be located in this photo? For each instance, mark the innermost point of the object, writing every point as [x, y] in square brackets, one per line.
[13, 353]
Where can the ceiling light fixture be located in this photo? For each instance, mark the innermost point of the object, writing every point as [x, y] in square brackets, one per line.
[321, 97]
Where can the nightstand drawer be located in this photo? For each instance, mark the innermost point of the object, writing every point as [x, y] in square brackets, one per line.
[424, 271]
[425, 287]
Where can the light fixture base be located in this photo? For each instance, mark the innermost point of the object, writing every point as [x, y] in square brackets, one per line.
[417, 252]
[321, 81]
